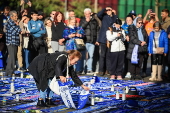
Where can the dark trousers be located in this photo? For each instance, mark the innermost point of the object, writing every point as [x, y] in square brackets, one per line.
[117, 61]
[135, 69]
[126, 64]
[11, 61]
[104, 62]
[157, 59]
[145, 62]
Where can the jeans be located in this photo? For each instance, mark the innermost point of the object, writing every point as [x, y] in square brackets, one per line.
[47, 92]
[80, 64]
[26, 57]
[90, 50]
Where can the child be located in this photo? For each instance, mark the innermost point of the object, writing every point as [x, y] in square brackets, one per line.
[117, 49]
[157, 38]
[37, 30]
[72, 32]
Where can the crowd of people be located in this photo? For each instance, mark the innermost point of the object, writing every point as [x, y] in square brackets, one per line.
[111, 46]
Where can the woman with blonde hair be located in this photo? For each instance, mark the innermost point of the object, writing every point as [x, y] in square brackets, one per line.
[48, 24]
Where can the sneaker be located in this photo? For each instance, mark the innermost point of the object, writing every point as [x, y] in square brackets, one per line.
[112, 77]
[90, 73]
[128, 75]
[119, 77]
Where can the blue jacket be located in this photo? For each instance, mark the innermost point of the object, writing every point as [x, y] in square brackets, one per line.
[163, 41]
[36, 28]
[107, 21]
[125, 28]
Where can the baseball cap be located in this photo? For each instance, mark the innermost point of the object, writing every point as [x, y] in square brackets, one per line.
[132, 12]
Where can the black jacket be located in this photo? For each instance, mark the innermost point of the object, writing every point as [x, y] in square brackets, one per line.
[91, 29]
[134, 40]
[45, 67]
[57, 31]
[107, 21]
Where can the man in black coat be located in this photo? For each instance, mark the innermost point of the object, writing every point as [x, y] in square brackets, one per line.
[108, 17]
[90, 26]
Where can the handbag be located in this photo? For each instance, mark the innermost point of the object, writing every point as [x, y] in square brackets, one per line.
[79, 44]
[54, 86]
[159, 50]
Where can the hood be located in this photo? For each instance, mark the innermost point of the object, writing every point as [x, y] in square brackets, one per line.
[134, 21]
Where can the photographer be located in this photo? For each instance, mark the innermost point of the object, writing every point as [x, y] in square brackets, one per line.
[149, 23]
[117, 49]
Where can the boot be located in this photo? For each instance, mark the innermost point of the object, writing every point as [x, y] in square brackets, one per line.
[154, 71]
[132, 77]
[159, 73]
[49, 102]
[139, 77]
[41, 103]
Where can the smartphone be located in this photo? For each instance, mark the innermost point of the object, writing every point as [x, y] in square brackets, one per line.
[26, 1]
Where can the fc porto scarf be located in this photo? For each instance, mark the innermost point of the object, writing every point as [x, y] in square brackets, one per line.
[67, 98]
[134, 58]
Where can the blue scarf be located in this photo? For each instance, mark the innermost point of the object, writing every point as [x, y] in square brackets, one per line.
[134, 58]
[67, 98]
[140, 35]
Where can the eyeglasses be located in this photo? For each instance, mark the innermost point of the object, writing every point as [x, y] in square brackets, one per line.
[109, 10]
[140, 22]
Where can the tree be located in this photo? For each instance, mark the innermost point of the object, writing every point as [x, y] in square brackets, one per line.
[48, 5]
[79, 5]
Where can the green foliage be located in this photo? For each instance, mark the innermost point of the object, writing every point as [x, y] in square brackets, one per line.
[48, 5]
[12, 3]
[79, 5]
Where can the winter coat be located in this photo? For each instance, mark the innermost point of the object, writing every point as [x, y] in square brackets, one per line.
[107, 21]
[45, 67]
[117, 43]
[163, 41]
[90, 29]
[134, 40]
[166, 23]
